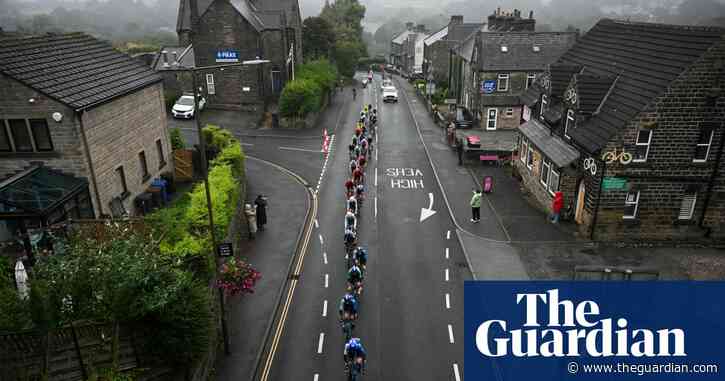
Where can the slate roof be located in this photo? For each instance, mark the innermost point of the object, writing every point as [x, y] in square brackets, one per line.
[520, 54]
[437, 36]
[400, 38]
[646, 57]
[267, 16]
[561, 74]
[553, 147]
[459, 32]
[591, 90]
[75, 69]
[531, 95]
[465, 48]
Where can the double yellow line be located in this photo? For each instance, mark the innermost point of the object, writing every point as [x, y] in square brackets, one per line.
[290, 293]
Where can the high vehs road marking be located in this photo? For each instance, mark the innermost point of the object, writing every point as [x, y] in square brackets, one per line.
[450, 334]
[320, 343]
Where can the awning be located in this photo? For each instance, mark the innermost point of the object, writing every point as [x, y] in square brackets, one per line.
[494, 141]
[37, 191]
[552, 146]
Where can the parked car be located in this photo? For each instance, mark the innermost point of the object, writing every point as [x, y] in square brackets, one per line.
[390, 94]
[464, 118]
[387, 82]
[184, 106]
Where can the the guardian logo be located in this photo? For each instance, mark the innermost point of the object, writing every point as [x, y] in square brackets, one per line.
[573, 330]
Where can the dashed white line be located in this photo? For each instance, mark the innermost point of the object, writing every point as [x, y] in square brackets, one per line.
[322, 241]
[327, 280]
[450, 334]
[376, 176]
[376, 206]
[299, 149]
[316, 378]
[447, 277]
[317, 225]
[448, 301]
[448, 235]
[324, 309]
[321, 342]
[247, 144]
[456, 374]
[447, 253]
[324, 258]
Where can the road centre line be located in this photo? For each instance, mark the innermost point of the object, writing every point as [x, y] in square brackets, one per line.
[447, 277]
[376, 206]
[447, 253]
[448, 301]
[448, 235]
[322, 241]
[327, 280]
[317, 225]
[299, 149]
[324, 257]
[456, 374]
[324, 309]
[376, 176]
[316, 377]
[321, 342]
[450, 334]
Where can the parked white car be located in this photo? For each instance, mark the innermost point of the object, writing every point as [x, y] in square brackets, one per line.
[390, 94]
[184, 107]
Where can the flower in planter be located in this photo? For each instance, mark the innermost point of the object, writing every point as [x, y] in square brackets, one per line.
[237, 276]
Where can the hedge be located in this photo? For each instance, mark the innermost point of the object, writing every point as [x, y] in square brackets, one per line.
[305, 94]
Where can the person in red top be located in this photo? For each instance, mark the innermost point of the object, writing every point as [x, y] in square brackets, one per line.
[349, 187]
[361, 161]
[358, 131]
[357, 176]
[556, 207]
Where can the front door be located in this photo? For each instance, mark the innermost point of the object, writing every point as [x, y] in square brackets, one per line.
[579, 215]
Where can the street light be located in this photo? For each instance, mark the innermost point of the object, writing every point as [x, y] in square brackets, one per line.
[205, 171]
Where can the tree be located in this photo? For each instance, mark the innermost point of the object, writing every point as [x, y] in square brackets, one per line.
[299, 98]
[347, 54]
[318, 38]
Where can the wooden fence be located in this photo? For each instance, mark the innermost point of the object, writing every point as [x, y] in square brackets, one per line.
[68, 354]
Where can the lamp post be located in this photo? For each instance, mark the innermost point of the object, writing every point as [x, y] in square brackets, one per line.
[205, 171]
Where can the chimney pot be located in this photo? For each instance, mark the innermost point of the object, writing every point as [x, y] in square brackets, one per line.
[531, 15]
[175, 54]
[165, 55]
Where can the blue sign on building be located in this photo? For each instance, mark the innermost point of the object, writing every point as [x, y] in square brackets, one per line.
[227, 56]
[487, 87]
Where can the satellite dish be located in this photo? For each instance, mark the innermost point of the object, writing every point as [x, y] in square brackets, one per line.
[57, 117]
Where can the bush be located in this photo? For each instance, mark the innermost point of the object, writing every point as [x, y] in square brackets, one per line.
[216, 137]
[224, 194]
[177, 142]
[233, 156]
[321, 72]
[300, 97]
[15, 313]
[170, 99]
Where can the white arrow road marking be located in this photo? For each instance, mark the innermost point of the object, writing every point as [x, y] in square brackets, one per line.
[425, 213]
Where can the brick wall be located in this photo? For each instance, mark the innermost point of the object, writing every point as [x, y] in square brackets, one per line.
[117, 131]
[67, 155]
[675, 119]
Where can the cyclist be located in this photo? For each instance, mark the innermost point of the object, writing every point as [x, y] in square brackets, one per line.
[353, 165]
[360, 193]
[351, 150]
[354, 93]
[354, 279]
[350, 238]
[363, 147]
[349, 187]
[361, 256]
[348, 307]
[352, 204]
[350, 221]
[361, 161]
[354, 352]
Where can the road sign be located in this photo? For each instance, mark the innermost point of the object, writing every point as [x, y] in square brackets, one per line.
[614, 183]
[488, 86]
[225, 249]
[227, 56]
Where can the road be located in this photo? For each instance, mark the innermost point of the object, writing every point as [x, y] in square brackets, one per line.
[411, 317]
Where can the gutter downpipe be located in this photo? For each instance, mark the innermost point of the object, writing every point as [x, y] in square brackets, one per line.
[599, 197]
[711, 183]
[87, 151]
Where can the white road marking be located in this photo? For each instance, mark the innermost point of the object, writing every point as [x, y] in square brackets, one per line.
[455, 372]
[324, 309]
[247, 144]
[327, 280]
[448, 235]
[447, 254]
[376, 151]
[324, 257]
[300, 149]
[447, 277]
[316, 378]
[322, 241]
[448, 301]
[450, 334]
[376, 176]
[321, 342]
[317, 225]
[376, 206]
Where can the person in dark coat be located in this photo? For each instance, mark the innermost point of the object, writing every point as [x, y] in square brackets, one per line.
[261, 204]
[459, 150]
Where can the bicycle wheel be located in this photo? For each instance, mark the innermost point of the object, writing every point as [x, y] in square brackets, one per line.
[609, 157]
[625, 158]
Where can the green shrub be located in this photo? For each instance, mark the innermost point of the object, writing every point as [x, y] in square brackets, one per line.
[321, 72]
[170, 99]
[15, 313]
[177, 142]
[300, 97]
[224, 194]
[216, 137]
[232, 155]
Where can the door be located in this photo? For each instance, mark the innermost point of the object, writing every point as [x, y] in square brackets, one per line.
[579, 215]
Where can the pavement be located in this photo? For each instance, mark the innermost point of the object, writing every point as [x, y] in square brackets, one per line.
[270, 253]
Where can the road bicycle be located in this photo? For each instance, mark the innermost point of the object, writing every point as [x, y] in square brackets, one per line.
[354, 369]
[590, 165]
[612, 156]
[347, 326]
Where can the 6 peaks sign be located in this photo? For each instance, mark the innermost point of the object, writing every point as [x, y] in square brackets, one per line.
[596, 330]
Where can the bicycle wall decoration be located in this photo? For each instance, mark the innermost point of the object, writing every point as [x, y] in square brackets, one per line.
[623, 157]
[590, 165]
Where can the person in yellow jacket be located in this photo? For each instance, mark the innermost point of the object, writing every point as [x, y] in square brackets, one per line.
[476, 206]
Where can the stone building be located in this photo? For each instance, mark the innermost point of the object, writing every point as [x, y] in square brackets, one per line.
[397, 50]
[263, 35]
[437, 46]
[82, 130]
[412, 51]
[629, 125]
[173, 63]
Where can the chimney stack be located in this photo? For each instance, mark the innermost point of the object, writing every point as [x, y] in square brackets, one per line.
[531, 15]
[456, 20]
[409, 25]
[420, 28]
[165, 56]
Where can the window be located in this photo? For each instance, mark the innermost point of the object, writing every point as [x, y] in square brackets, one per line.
[41, 134]
[530, 78]
[143, 165]
[523, 151]
[641, 149]
[569, 123]
[553, 181]
[544, 175]
[687, 208]
[503, 82]
[509, 112]
[160, 152]
[631, 203]
[702, 149]
[4, 138]
[122, 180]
[491, 119]
[210, 89]
[530, 158]
[542, 107]
[21, 137]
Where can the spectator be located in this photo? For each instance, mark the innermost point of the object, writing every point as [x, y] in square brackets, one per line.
[556, 206]
[476, 206]
[261, 204]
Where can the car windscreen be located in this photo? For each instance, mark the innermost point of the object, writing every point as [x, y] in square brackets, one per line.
[185, 101]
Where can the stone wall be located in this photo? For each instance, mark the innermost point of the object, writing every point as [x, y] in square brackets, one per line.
[117, 132]
[503, 122]
[67, 154]
[438, 53]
